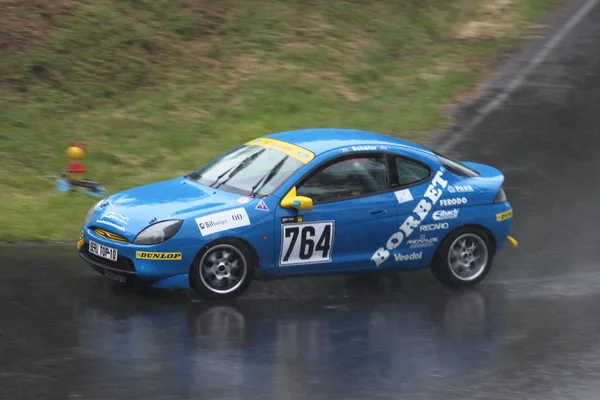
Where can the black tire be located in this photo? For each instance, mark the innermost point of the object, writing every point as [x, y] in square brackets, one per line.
[441, 264]
[239, 250]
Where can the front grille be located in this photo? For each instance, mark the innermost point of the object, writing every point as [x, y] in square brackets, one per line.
[111, 236]
[123, 264]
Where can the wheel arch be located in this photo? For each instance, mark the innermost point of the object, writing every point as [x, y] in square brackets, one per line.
[486, 231]
[246, 243]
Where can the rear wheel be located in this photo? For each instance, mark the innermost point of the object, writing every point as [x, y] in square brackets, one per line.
[223, 270]
[464, 258]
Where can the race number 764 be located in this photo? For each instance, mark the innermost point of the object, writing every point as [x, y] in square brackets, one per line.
[306, 243]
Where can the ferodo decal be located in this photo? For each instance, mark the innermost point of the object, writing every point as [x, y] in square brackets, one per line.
[430, 198]
[453, 202]
[504, 215]
[306, 243]
[299, 153]
[223, 221]
[149, 255]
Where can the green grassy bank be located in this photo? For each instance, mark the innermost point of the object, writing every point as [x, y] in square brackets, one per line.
[155, 88]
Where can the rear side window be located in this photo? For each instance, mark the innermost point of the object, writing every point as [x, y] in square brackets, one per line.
[409, 172]
[456, 166]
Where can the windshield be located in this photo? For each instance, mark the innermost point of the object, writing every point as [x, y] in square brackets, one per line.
[248, 170]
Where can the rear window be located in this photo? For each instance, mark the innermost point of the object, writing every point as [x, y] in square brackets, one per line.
[456, 166]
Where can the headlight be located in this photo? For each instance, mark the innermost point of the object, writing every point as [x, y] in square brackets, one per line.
[91, 212]
[158, 233]
[500, 197]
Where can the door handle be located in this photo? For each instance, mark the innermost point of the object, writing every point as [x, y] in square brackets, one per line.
[378, 212]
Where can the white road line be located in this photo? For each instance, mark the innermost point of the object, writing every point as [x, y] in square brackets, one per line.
[518, 81]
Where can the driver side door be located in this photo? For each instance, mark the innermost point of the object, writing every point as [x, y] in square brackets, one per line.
[354, 211]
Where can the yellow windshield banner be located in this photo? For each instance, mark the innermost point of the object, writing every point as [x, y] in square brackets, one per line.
[292, 150]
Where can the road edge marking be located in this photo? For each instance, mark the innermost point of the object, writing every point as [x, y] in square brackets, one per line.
[515, 83]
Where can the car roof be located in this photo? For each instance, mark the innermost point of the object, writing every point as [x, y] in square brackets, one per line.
[322, 140]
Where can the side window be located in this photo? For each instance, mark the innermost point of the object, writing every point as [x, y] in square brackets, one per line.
[410, 171]
[346, 178]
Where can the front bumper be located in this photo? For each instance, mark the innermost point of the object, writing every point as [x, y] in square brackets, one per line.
[133, 264]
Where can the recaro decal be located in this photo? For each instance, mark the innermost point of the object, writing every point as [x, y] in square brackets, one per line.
[431, 197]
[434, 227]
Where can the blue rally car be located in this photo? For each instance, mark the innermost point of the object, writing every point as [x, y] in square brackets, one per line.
[303, 202]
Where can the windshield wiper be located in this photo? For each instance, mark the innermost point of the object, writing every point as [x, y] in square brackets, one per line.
[220, 176]
[242, 165]
[267, 177]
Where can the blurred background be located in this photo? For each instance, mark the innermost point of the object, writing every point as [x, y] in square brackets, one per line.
[156, 88]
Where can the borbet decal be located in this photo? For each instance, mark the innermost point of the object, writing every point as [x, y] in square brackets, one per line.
[430, 198]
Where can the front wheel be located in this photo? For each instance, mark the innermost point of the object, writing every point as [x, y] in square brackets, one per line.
[223, 270]
[464, 258]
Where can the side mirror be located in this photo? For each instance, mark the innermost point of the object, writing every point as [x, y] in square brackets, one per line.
[291, 200]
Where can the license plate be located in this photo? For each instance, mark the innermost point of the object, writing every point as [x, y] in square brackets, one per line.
[103, 251]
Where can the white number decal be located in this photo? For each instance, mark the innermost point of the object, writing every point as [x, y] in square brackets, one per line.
[306, 243]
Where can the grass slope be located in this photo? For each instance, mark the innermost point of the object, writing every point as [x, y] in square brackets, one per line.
[155, 88]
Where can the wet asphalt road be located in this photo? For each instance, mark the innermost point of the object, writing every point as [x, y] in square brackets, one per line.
[530, 331]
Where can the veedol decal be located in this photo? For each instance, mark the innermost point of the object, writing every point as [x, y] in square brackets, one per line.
[430, 198]
[223, 221]
[408, 257]
[434, 227]
[403, 196]
[445, 214]
[453, 202]
[243, 200]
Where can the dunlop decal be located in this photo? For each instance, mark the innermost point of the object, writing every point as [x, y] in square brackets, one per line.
[147, 255]
[505, 215]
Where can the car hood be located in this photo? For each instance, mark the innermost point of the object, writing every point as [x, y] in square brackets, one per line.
[130, 211]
